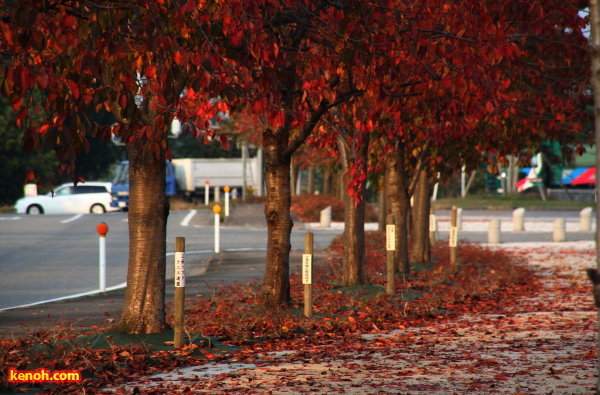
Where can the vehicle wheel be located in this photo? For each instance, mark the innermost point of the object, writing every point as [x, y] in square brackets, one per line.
[97, 209]
[35, 209]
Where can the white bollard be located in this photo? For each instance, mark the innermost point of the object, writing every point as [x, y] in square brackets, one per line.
[558, 234]
[102, 230]
[494, 231]
[519, 219]
[217, 210]
[226, 189]
[217, 194]
[206, 192]
[585, 219]
[326, 217]
[459, 218]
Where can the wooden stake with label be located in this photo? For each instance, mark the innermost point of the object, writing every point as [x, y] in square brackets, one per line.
[179, 291]
[432, 227]
[453, 239]
[390, 246]
[307, 275]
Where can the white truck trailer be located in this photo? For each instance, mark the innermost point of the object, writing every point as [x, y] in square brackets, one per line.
[192, 175]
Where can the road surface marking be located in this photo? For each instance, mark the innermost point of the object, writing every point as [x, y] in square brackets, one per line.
[188, 218]
[9, 218]
[75, 218]
[120, 286]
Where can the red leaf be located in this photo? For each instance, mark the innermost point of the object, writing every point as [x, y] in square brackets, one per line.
[42, 81]
[74, 89]
[225, 142]
[150, 72]
[16, 100]
[6, 32]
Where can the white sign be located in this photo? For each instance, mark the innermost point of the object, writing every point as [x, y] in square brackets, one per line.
[432, 223]
[179, 269]
[453, 240]
[390, 239]
[31, 190]
[306, 268]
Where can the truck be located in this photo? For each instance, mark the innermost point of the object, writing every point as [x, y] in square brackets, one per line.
[120, 182]
[188, 177]
[193, 174]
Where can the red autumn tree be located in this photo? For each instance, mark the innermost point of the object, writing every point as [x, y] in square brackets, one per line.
[134, 59]
[504, 90]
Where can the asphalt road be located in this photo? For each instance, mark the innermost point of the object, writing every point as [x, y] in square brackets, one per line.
[54, 256]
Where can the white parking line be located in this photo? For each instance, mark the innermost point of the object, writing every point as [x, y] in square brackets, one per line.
[9, 218]
[188, 218]
[72, 219]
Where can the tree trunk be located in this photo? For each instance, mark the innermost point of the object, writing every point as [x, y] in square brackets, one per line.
[144, 308]
[276, 285]
[470, 182]
[354, 264]
[327, 182]
[310, 188]
[399, 200]
[382, 214]
[294, 172]
[420, 220]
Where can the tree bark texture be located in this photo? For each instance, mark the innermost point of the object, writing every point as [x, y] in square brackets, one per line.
[382, 203]
[420, 220]
[276, 284]
[399, 201]
[294, 173]
[310, 188]
[327, 182]
[354, 263]
[144, 307]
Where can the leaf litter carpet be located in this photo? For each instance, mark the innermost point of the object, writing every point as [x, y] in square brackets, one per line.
[542, 345]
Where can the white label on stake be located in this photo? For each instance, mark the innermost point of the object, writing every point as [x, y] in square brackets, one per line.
[453, 241]
[179, 269]
[390, 240]
[432, 223]
[306, 268]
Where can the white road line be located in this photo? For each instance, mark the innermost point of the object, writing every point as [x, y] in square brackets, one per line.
[120, 286]
[9, 218]
[75, 218]
[188, 218]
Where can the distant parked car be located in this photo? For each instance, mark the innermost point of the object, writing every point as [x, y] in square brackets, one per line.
[91, 197]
